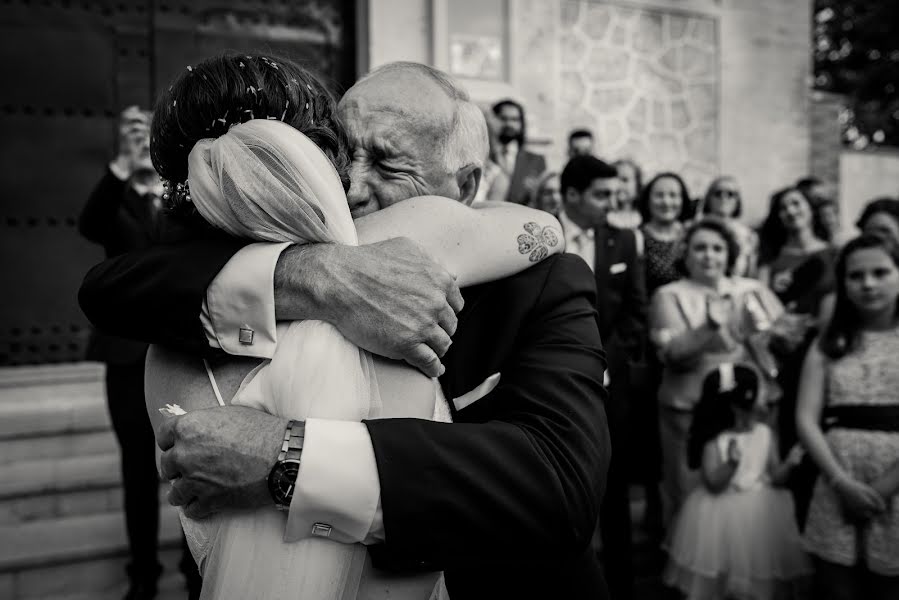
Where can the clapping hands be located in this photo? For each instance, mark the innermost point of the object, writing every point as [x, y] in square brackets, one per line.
[790, 329]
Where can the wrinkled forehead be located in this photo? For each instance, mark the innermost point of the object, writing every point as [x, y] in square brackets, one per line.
[397, 99]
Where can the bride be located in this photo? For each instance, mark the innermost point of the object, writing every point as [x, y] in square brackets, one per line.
[277, 178]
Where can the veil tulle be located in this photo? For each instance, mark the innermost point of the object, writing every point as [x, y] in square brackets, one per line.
[265, 181]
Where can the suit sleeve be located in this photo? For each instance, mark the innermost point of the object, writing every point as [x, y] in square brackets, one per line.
[155, 295]
[521, 479]
[630, 333]
[97, 219]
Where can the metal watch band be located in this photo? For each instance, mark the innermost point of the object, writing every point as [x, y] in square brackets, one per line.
[292, 446]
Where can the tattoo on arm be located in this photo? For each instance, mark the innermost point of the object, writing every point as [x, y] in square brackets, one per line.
[537, 240]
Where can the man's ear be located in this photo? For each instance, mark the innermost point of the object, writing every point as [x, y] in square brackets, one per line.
[468, 178]
[571, 197]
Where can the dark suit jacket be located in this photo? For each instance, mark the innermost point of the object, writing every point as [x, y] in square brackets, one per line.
[505, 499]
[621, 296]
[527, 164]
[119, 220]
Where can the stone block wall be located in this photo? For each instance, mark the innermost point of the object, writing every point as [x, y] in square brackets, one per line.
[698, 86]
[646, 82]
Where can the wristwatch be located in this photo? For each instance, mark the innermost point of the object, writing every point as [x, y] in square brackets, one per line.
[282, 479]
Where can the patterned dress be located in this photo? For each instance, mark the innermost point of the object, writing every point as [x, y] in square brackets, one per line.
[659, 259]
[870, 375]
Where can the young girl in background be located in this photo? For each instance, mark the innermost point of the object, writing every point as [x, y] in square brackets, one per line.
[735, 536]
[848, 419]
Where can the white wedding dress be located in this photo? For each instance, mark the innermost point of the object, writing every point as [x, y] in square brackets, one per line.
[266, 181]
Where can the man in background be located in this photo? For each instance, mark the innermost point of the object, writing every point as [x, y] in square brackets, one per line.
[124, 213]
[589, 187]
[522, 167]
[580, 143]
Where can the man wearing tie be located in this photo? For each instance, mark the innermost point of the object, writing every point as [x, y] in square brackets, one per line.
[589, 187]
[522, 167]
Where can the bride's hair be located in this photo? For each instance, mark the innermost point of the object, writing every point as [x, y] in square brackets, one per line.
[207, 98]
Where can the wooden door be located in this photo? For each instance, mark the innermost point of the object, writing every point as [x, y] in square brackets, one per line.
[68, 68]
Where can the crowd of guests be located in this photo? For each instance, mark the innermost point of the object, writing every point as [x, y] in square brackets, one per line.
[752, 373]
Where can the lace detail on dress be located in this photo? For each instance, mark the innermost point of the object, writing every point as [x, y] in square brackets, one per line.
[869, 375]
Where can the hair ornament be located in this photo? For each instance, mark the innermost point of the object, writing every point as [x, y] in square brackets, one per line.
[190, 69]
[175, 194]
[727, 378]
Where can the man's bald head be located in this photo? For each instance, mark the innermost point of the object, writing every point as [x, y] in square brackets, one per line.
[414, 132]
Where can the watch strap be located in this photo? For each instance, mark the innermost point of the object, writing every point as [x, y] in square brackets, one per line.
[294, 437]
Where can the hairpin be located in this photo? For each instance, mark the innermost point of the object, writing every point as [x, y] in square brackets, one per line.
[177, 194]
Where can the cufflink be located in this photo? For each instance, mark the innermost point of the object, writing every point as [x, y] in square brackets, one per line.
[245, 336]
[321, 530]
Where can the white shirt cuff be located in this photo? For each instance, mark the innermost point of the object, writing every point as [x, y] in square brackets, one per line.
[238, 313]
[338, 494]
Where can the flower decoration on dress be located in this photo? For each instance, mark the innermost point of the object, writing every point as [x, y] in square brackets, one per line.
[537, 241]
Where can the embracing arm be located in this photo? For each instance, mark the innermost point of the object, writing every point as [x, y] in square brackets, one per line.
[155, 295]
[389, 298]
[475, 244]
[520, 473]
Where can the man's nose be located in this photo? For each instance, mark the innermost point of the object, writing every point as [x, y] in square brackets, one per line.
[359, 196]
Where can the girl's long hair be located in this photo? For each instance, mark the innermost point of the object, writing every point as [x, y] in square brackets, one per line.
[714, 411]
[841, 335]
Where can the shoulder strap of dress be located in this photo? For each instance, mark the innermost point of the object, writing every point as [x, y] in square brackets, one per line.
[215, 387]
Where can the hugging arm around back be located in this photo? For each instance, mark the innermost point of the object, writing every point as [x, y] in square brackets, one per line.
[518, 475]
[476, 245]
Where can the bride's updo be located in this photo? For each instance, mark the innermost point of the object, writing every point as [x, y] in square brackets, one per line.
[207, 98]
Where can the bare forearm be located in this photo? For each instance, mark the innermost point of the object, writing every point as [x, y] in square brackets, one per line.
[816, 445]
[301, 282]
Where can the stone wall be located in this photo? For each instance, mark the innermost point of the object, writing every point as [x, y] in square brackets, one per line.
[865, 175]
[646, 82]
[699, 86]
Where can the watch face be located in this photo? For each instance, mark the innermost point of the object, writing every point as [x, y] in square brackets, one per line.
[282, 481]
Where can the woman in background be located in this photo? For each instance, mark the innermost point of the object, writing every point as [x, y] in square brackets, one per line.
[723, 200]
[547, 195]
[849, 384]
[696, 324]
[626, 215]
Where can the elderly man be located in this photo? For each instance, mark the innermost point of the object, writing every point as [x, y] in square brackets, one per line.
[505, 499]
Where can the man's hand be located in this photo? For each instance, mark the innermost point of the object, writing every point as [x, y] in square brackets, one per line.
[220, 458]
[389, 298]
